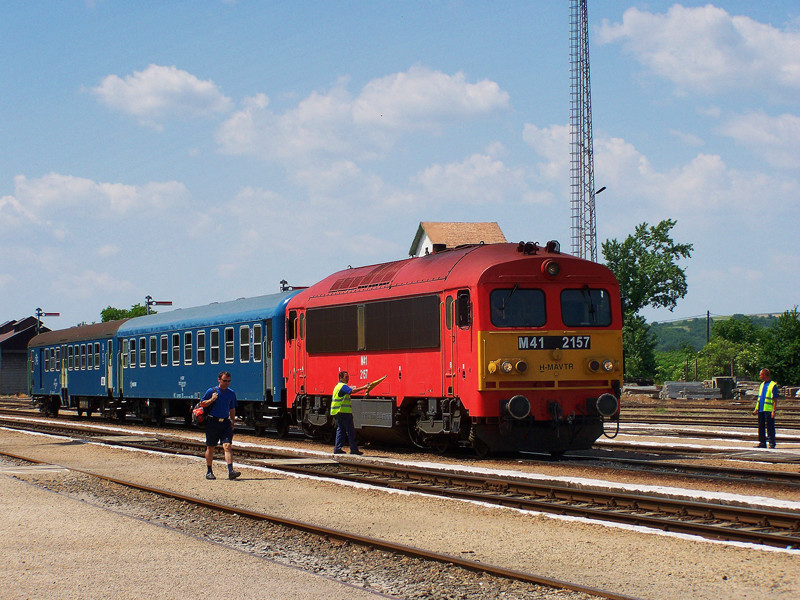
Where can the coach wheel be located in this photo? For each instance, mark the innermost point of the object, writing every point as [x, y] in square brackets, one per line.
[80, 413]
[282, 426]
[556, 454]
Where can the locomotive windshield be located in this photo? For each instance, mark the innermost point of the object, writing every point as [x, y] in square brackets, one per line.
[586, 307]
[514, 307]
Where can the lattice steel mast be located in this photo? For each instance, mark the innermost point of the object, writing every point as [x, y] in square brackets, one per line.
[584, 236]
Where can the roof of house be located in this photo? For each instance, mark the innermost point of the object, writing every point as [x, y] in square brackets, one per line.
[453, 234]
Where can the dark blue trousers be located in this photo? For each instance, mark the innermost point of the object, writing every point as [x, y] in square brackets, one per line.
[766, 428]
[345, 429]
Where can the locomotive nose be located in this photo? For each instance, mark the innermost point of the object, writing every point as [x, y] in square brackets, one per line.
[607, 405]
[518, 407]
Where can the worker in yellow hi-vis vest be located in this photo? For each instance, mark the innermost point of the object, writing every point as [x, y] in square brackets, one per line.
[342, 413]
[765, 408]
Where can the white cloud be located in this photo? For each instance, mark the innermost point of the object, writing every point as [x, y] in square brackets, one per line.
[57, 201]
[777, 139]
[334, 123]
[159, 93]
[706, 49]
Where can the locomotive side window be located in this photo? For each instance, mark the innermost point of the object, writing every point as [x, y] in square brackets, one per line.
[201, 347]
[463, 309]
[448, 312]
[214, 346]
[164, 350]
[388, 325]
[514, 307]
[153, 351]
[586, 307]
[229, 345]
[290, 321]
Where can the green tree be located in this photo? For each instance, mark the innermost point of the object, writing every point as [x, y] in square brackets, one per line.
[645, 265]
[781, 353]
[111, 313]
[739, 329]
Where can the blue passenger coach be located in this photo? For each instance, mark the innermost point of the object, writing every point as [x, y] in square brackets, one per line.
[168, 360]
[74, 368]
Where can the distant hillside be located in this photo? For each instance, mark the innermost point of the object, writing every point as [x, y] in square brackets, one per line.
[671, 335]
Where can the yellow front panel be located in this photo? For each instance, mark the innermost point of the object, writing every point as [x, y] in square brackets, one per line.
[551, 356]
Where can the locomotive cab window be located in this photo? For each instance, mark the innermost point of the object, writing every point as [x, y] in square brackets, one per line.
[586, 307]
[515, 307]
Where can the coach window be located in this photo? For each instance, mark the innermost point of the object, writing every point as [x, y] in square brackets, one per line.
[164, 350]
[125, 349]
[83, 357]
[257, 342]
[46, 360]
[230, 344]
[69, 358]
[201, 347]
[142, 352]
[215, 346]
[132, 360]
[89, 357]
[176, 348]
[244, 344]
[153, 351]
[58, 359]
[187, 347]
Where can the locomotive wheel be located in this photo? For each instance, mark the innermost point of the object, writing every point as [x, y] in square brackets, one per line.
[481, 448]
[439, 444]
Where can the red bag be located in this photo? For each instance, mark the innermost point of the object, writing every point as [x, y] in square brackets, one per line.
[198, 415]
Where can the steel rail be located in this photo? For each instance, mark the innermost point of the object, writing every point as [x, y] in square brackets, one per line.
[321, 531]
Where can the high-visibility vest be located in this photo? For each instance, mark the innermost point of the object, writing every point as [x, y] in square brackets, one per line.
[340, 404]
[766, 401]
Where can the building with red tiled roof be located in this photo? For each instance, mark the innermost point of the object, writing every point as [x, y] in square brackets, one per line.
[433, 236]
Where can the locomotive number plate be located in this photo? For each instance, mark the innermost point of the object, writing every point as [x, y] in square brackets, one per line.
[551, 342]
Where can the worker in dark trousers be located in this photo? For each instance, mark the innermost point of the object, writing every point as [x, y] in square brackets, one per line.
[220, 404]
[342, 413]
[768, 392]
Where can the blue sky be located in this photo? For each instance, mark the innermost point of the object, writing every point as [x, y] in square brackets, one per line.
[203, 151]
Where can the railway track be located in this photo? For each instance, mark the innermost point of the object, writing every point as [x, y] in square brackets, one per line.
[444, 561]
[708, 519]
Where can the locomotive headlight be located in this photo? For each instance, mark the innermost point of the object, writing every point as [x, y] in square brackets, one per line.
[506, 366]
[551, 268]
[594, 365]
[608, 365]
[521, 366]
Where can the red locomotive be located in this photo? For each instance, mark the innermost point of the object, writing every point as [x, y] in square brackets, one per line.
[500, 347]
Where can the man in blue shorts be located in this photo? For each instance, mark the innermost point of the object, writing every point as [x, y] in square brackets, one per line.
[220, 404]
